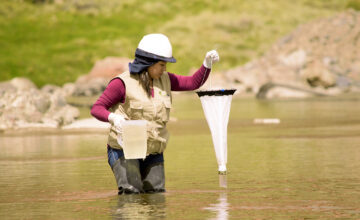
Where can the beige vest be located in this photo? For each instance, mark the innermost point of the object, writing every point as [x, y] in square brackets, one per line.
[138, 106]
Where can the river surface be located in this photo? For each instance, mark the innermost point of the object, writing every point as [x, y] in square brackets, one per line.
[305, 167]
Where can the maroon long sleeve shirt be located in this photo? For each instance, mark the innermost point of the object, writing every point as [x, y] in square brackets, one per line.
[115, 92]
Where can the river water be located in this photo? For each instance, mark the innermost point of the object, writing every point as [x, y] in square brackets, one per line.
[307, 166]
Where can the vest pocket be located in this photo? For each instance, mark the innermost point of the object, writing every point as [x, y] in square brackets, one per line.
[167, 108]
[136, 110]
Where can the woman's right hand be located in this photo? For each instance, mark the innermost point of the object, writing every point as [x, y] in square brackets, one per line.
[117, 121]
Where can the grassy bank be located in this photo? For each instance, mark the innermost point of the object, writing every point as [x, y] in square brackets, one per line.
[56, 42]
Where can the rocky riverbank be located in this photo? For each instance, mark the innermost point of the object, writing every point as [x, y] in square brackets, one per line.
[321, 58]
[23, 105]
[318, 58]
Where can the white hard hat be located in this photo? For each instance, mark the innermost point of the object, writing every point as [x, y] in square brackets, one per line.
[156, 46]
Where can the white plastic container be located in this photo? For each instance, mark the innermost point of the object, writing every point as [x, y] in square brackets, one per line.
[134, 139]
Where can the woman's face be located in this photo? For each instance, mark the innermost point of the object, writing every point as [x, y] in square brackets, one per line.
[155, 71]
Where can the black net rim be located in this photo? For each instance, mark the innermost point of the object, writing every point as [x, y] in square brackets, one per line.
[220, 92]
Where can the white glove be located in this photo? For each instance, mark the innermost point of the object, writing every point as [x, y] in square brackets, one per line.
[116, 120]
[210, 58]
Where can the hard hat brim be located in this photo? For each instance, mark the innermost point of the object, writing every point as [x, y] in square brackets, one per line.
[143, 53]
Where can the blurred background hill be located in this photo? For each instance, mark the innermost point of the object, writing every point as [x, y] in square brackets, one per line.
[56, 41]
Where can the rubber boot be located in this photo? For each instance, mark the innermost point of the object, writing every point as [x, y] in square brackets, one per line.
[154, 178]
[127, 175]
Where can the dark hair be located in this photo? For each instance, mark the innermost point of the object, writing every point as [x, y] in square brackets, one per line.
[144, 80]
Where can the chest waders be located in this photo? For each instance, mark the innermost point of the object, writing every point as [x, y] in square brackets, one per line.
[138, 175]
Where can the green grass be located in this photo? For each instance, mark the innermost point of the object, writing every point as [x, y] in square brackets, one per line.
[55, 43]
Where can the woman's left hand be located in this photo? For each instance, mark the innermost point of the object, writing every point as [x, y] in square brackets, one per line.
[210, 58]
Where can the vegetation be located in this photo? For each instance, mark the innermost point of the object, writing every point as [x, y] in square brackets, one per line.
[354, 4]
[55, 41]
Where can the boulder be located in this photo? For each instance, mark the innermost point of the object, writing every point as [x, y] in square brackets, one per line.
[248, 78]
[317, 75]
[296, 59]
[57, 100]
[6, 87]
[96, 81]
[22, 105]
[68, 89]
[22, 84]
[109, 67]
[50, 88]
[316, 56]
[90, 87]
[281, 92]
[64, 116]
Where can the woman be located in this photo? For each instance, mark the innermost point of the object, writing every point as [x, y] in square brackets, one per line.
[144, 93]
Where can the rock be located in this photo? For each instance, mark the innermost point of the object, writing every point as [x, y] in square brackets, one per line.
[276, 90]
[68, 89]
[41, 104]
[343, 83]
[296, 59]
[109, 67]
[91, 87]
[65, 115]
[49, 122]
[25, 106]
[50, 88]
[96, 81]
[249, 78]
[6, 87]
[281, 92]
[316, 56]
[22, 84]
[318, 75]
[2, 105]
[57, 100]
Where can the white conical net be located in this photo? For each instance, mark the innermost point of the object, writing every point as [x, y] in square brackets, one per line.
[216, 105]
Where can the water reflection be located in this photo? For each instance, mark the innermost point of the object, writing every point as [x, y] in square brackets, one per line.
[221, 208]
[140, 206]
[309, 166]
[223, 181]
